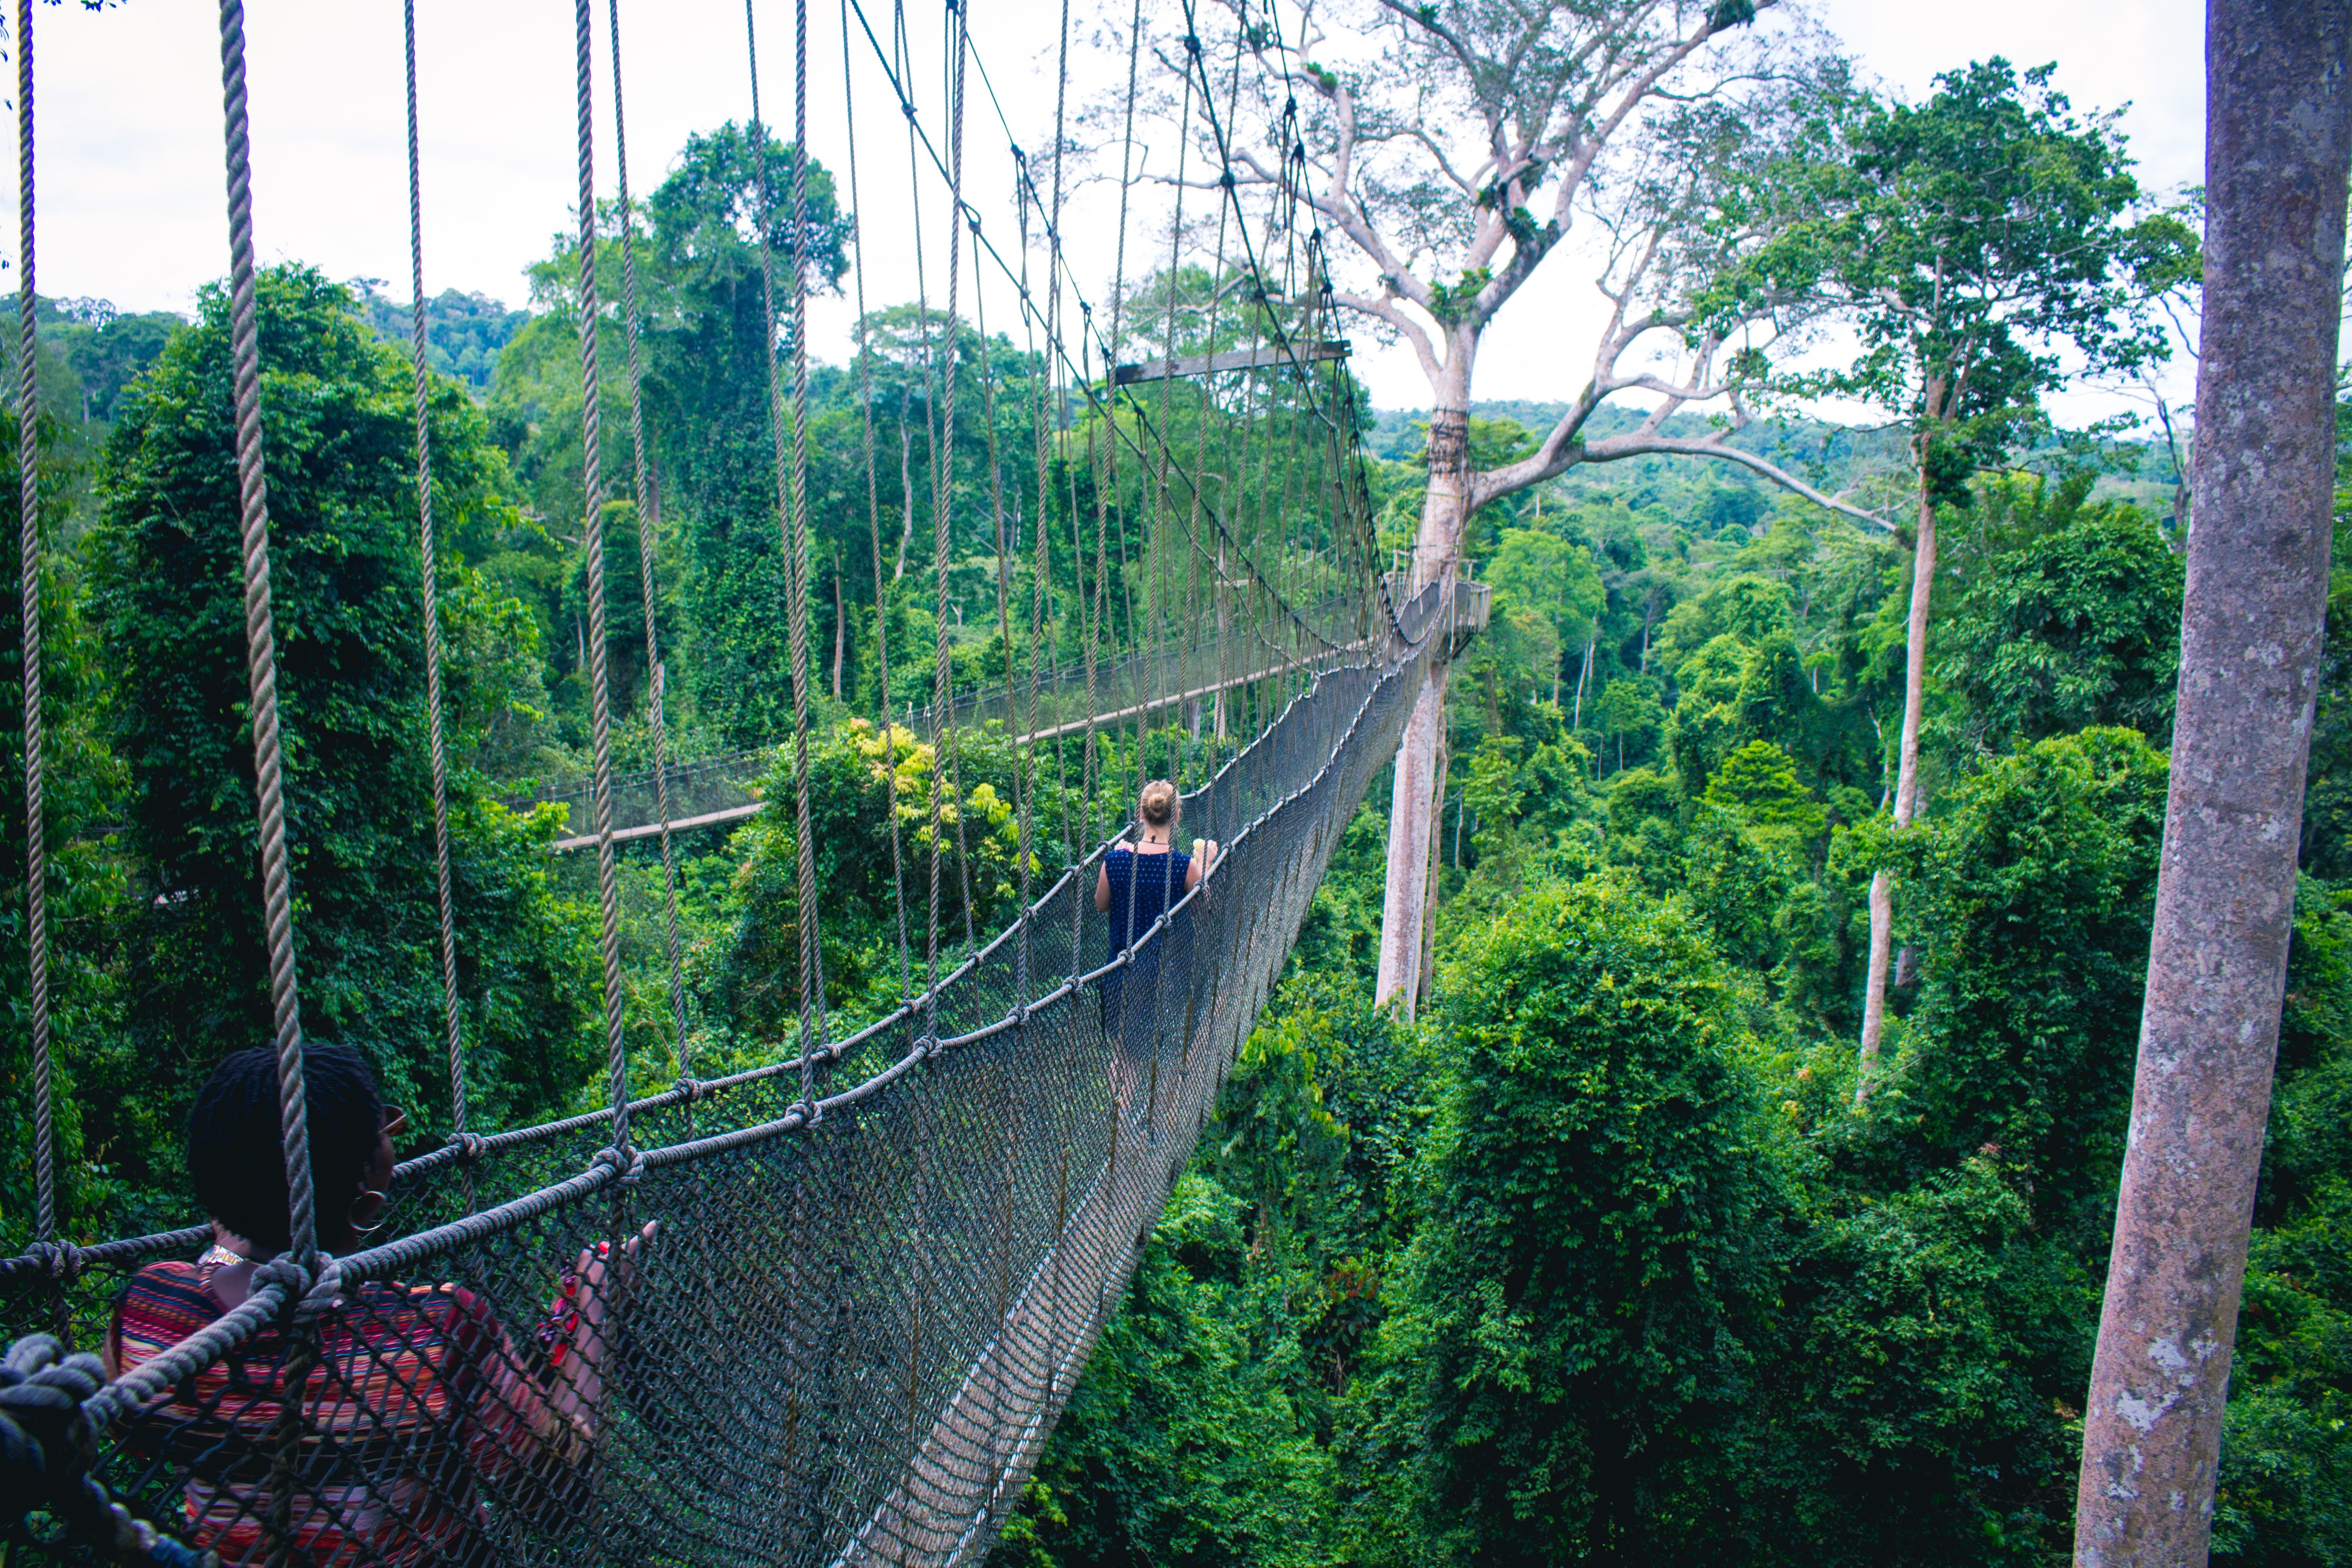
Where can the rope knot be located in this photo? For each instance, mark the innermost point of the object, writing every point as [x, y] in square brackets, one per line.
[48, 1443]
[629, 1160]
[471, 1147]
[311, 1294]
[61, 1260]
[48, 1446]
[928, 1044]
[810, 1112]
[693, 1089]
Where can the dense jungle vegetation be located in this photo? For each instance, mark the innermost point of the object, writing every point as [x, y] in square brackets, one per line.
[1595, 1260]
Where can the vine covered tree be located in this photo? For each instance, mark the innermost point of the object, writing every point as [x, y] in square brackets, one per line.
[167, 599]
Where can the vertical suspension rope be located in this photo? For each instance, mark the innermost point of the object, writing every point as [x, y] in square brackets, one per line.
[943, 467]
[939, 678]
[451, 1018]
[812, 949]
[792, 498]
[261, 644]
[649, 515]
[1074, 841]
[600, 699]
[1155, 519]
[1109, 413]
[874, 524]
[1004, 609]
[28, 505]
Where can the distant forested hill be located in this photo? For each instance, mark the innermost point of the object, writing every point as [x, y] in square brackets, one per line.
[99, 350]
[463, 332]
[1706, 497]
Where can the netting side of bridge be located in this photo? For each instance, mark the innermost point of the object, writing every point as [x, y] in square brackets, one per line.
[876, 1264]
[857, 1326]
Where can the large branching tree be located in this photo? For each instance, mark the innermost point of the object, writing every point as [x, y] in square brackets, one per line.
[1986, 245]
[1454, 148]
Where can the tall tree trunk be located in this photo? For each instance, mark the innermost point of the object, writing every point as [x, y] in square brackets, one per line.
[2277, 141]
[1419, 986]
[1411, 810]
[1576, 721]
[905, 491]
[840, 628]
[1410, 821]
[1224, 633]
[1907, 781]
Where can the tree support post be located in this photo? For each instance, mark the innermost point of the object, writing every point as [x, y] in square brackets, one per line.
[2278, 139]
[1412, 803]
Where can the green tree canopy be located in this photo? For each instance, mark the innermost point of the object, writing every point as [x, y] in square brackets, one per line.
[168, 596]
[1595, 1217]
[2078, 627]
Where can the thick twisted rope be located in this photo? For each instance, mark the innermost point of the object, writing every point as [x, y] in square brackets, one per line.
[261, 640]
[28, 508]
[1156, 495]
[936, 455]
[600, 699]
[792, 505]
[1023, 748]
[1107, 420]
[48, 1445]
[452, 1019]
[874, 526]
[648, 516]
[943, 469]
[811, 975]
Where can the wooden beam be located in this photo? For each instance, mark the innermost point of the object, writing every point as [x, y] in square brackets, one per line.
[1235, 359]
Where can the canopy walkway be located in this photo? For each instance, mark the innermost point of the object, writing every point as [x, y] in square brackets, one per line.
[881, 1258]
[722, 790]
[864, 1310]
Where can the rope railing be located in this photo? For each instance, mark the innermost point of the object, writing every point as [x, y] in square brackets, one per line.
[825, 1308]
[975, 1366]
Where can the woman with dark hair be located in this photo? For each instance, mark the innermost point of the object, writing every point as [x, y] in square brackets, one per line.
[415, 1399]
[1135, 888]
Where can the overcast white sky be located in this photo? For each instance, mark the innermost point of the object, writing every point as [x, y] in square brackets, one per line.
[130, 179]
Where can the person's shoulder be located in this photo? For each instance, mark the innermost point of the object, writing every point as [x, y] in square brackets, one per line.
[168, 1274]
[165, 1301]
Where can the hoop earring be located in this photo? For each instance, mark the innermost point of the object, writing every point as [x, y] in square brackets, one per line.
[363, 1231]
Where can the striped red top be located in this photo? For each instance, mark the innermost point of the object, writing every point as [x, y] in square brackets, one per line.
[418, 1421]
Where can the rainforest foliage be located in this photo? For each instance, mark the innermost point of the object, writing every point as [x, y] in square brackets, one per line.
[1596, 1261]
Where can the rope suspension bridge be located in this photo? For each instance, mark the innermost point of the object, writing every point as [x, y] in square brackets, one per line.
[872, 1269]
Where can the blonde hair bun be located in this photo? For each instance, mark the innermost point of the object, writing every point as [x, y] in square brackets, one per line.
[1158, 802]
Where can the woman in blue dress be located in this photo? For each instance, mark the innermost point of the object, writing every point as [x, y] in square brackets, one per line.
[1135, 888]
